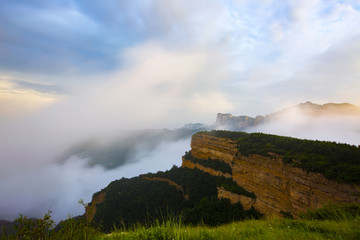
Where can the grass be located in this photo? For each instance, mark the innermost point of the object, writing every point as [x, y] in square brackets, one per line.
[330, 222]
[249, 229]
[333, 221]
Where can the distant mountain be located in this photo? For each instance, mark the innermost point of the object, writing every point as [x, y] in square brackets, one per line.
[129, 146]
[9, 228]
[308, 109]
[196, 126]
[6, 226]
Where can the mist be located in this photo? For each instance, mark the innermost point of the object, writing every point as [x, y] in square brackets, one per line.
[340, 128]
[59, 187]
[95, 134]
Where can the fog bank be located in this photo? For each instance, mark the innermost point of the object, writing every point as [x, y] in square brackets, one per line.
[343, 128]
[58, 187]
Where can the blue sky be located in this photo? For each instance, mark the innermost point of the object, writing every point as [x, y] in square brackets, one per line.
[201, 57]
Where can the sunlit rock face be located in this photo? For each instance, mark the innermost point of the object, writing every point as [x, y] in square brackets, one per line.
[279, 188]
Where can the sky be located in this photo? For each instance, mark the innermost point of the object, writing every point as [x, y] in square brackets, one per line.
[71, 70]
[186, 58]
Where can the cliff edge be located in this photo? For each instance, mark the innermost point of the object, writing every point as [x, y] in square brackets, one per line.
[279, 187]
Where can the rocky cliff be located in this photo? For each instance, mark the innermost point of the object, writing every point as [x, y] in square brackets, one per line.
[307, 109]
[189, 164]
[230, 176]
[279, 187]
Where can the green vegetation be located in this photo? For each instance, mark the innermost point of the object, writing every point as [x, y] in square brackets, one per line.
[333, 212]
[139, 208]
[43, 229]
[339, 222]
[225, 183]
[216, 164]
[344, 225]
[31, 228]
[71, 229]
[250, 229]
[140, 201]
[340, 162]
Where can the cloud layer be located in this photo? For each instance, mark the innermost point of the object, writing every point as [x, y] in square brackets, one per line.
[58, 187]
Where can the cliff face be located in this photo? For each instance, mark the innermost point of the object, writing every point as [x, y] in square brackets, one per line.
[240, 122]
[245, 201]
[191, 165]
[278, 187]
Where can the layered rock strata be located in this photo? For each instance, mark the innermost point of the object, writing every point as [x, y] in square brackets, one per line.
[189, 164]
[278, 187]
[245, 201]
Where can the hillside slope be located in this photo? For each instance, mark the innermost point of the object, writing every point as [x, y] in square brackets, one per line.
[190, 192]
[230, 176]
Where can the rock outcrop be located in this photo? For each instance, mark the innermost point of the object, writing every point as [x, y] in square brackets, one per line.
[279, 187]
[91, 209]
[307, 109]
[214, 172]
[246, 202]
[236, 122]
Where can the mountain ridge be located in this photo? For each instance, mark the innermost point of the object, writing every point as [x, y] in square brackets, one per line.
[309, 109]
[264, 183]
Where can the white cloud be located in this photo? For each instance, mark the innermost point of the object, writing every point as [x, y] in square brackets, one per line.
[17, 102]
[296, 123]
[289, 62]
[55, 187]
[159, 88]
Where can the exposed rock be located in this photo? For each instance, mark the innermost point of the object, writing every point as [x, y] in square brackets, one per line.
[231, 122]
[90, 210]
[234, 122]
[278, 187]
[191, 165]
[245, 201]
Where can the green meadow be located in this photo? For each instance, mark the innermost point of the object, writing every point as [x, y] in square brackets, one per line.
[330, 222]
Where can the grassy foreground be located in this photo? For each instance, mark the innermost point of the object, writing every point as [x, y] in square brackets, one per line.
[330, 222]
[250, 229]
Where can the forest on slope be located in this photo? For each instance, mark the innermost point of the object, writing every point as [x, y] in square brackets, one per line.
[139, 200]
